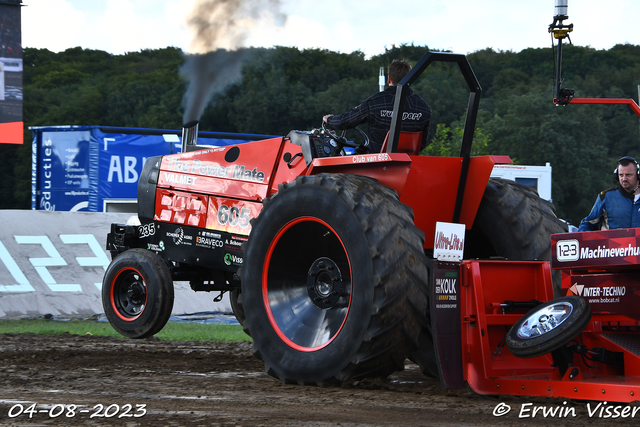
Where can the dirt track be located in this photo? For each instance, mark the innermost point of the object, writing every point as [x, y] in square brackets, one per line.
[193, 384]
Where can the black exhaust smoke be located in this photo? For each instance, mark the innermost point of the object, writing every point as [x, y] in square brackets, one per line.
[207, 74]
[220, 28]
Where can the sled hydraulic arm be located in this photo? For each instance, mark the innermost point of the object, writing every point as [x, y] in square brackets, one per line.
[564, 96]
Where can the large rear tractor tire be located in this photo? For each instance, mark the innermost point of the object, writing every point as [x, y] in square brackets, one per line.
[137, 293]
[512, 222]
[236, 308]
[334, 280]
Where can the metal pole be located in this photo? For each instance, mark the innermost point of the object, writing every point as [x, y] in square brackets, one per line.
[560, 31]
[1, 81]
[556, 94]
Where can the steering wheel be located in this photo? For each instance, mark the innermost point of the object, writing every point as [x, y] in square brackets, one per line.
[342, 141]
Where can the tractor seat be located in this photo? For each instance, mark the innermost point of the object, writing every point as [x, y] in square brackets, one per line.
[408, 142]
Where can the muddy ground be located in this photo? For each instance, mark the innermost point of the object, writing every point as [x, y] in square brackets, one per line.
[101, 381]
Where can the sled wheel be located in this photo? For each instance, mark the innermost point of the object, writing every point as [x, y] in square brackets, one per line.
[137, 293]
[548, 327]
[334, 280]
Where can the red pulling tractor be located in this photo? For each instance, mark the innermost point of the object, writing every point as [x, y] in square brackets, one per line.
[330, 263]
[327, 256]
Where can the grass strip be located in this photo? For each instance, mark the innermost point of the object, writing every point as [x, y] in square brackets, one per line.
[173, 331]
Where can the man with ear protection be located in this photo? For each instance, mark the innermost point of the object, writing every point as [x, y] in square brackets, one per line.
[617, 207]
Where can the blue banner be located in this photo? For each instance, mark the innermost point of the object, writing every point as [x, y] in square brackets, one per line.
[77, 168]
[117, 161]
[62, 171]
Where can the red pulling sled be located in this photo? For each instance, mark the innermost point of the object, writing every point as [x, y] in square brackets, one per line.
[584, 345]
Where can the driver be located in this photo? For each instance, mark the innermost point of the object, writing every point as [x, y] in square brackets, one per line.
[378, 108]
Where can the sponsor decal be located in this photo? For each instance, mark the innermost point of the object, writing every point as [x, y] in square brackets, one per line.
[211, 235]
[405, 115]
[606, 291]
[596, 291]
[446, 286]
[447, 290]
[451, 242]
[604, 252]
[598, 294]
[381, 157]
[156, 248]
[231, 259]
[198, 167]
[179, 179]
[254, 175]
[446, 305]
[179, 238]
[570, 250]
[448, 242]
[576, 289]
[567, 250]
[209, 240]
[233, 243]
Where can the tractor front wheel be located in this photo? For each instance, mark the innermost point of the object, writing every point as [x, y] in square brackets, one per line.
[137, 293]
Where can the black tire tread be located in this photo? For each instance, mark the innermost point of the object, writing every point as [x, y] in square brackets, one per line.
[399, 272]
[236, 308]
[519, 212]
[160, 282]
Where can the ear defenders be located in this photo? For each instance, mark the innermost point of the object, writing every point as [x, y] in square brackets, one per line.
[630, 160]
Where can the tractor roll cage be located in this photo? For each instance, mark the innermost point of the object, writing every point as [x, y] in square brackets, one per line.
[470, 120]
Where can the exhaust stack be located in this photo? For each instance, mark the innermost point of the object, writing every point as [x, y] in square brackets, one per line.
[561, 9]
[190, 136]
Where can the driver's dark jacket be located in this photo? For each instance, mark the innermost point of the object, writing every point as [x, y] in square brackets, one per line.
[377, 111]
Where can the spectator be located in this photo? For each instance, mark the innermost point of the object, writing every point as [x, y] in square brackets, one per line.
[617, 207]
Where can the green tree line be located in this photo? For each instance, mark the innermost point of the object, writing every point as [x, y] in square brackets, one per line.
[283, 88]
